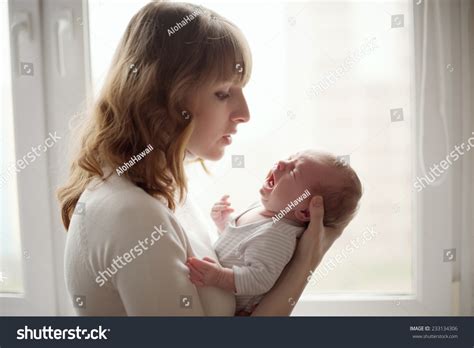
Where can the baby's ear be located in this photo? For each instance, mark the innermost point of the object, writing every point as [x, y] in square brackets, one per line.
[303, 215]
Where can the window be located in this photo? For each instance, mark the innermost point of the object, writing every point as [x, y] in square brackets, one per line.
[107, 33]
[337, 76]
[11, 255]
[26, 195]
[306, 105]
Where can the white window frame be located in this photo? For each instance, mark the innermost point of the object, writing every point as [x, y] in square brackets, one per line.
[29, 130]
[56, 47]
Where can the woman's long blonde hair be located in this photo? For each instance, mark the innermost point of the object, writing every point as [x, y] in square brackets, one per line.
[167, 52]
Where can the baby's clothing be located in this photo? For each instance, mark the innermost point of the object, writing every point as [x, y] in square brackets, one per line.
[257, 253]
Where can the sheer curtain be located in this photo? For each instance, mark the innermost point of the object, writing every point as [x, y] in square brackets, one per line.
[444, 51]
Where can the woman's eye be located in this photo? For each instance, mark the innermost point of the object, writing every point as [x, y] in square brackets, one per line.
[222, 95]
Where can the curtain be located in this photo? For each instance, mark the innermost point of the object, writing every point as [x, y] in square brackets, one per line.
[444, 70]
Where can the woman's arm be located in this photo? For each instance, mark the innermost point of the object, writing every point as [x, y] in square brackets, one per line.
[313, 244]
[154, 281]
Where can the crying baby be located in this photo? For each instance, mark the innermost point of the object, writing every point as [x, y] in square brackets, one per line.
[254, 247]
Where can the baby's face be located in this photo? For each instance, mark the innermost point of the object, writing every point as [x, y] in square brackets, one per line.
[289, 178]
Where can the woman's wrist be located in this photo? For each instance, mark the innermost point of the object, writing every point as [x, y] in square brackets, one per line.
[308, 257]
[279, 301]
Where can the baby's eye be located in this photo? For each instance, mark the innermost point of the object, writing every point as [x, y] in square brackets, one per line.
[222, 95]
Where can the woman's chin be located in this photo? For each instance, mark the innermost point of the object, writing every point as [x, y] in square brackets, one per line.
[218, 156]
[214, 154]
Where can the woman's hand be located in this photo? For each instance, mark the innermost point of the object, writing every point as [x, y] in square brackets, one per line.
[317, 238]
[312, 246]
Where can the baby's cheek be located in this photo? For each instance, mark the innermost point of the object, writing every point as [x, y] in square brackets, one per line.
[287, 195]
[300, 197]
[282, 199]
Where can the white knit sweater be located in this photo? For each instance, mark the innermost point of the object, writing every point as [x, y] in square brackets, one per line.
[125, 255]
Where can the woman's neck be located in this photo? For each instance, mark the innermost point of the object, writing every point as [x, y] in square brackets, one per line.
[189, 156]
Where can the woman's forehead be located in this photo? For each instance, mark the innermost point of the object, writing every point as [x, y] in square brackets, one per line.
[230, 83]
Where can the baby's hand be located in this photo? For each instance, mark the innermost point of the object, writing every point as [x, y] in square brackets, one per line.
[207, 272]
[220, 212]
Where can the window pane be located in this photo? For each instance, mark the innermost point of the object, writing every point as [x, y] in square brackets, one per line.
[347, 114]
[10, 244]
[106, 32]
[362, 107]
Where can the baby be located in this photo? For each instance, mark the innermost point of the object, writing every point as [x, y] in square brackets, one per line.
[254, 247]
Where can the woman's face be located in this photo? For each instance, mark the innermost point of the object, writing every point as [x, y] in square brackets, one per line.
[217, 109]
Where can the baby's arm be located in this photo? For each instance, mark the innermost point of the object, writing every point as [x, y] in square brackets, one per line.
[207, 272]
[220, 213]
[265, 257]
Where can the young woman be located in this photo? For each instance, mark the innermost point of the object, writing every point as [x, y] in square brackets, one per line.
[174, 88]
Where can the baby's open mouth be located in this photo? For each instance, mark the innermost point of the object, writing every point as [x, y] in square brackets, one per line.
[269, 183]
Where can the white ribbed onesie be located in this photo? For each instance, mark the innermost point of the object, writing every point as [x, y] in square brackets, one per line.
[257, 253]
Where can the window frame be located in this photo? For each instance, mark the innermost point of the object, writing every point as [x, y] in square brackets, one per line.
[49, 21]
[38, 280]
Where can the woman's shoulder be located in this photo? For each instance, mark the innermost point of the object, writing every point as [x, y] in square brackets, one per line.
[117, 195]
[117, 206]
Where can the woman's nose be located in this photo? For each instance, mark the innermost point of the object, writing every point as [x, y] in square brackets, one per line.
[241, 114]
[241, 119]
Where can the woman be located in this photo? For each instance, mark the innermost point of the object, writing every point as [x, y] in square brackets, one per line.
[174, 88]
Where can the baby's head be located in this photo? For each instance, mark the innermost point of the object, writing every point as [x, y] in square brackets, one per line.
[321, 174]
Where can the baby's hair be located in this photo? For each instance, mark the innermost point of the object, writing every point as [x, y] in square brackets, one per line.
[341, 201]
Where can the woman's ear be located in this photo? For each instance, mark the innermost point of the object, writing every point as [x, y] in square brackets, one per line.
[303, 215]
